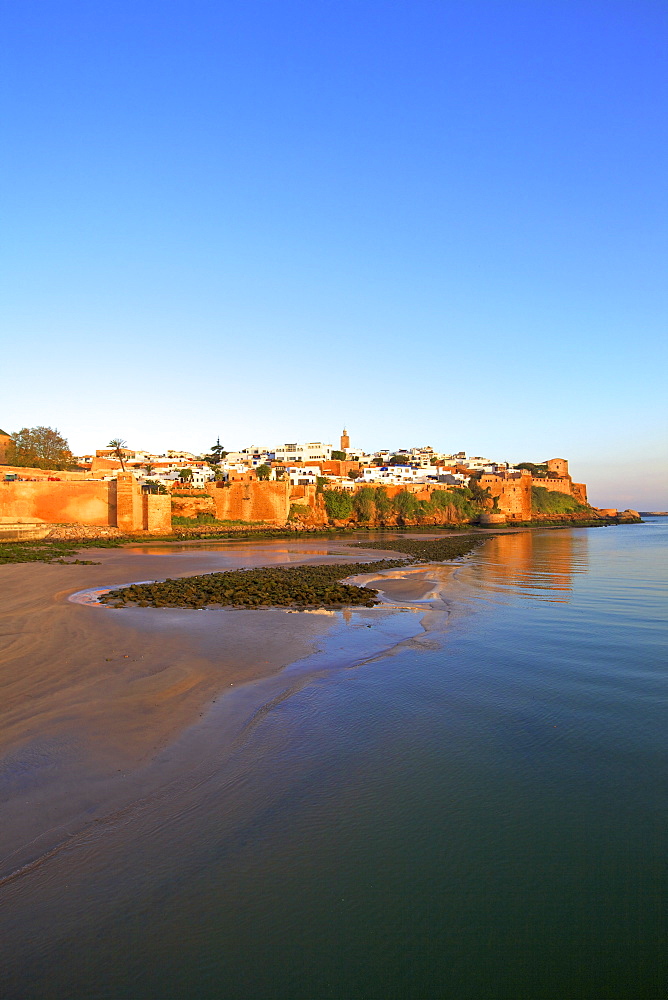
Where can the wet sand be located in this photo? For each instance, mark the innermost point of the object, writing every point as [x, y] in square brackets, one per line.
[90, 695]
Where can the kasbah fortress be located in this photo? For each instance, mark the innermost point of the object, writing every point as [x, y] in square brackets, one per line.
[89, 506]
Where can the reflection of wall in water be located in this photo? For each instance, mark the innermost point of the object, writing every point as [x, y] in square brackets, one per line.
[532, 560]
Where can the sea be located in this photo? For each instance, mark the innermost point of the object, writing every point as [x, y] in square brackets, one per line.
[470, 804]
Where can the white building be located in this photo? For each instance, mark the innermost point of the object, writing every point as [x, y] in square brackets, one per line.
[251, 457]
[393, 475]
[478, 463]
[313, 451]
[302, 476]
[200, 476]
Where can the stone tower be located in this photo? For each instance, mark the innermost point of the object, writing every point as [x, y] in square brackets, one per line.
[345, 440]
[557, 467]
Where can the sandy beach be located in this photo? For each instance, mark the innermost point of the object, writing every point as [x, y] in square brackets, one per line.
[90, 695]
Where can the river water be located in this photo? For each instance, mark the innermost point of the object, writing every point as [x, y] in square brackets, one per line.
[480, 813]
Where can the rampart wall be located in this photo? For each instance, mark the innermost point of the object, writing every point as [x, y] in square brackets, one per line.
[94, 502]
[156, 513]
[191, 506]
[307, 496]
[558, 484]
[513, 494]
[254, 501]
[562, 484]
[28, 473]
[580, 491]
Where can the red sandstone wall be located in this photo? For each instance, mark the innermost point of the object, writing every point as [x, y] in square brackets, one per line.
[29, 473]
[307, 496]
[129, 505]
[254, 501]
[192, 506]
[87, 502]
[337, 468]
[91, 502]
[513, 493]
[580, 491]
[558, 484]
[104, 465]
[557, 467]
[157, 513]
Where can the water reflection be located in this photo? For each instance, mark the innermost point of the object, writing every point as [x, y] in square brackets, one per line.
[272, 551]
[531, 564]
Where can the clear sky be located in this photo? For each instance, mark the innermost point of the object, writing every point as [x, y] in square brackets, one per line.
[437, 222]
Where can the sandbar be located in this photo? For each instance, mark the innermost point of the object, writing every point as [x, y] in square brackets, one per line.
[90, 695]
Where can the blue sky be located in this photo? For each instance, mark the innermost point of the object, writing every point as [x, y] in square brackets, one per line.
[436, 222]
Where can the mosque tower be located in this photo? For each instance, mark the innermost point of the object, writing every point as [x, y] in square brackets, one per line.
[345, 440]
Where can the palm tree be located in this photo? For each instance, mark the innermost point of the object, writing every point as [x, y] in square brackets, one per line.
[118, 444]
[149, 468]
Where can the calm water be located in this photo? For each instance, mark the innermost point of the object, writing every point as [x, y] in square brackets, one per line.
[480, 814]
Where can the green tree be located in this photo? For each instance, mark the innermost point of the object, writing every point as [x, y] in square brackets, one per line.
[384, 505]
[354, 474]
[338, 456]
[479, 494]
[535, 470]
[339, 504]
[407, 507]
[364, 504]
[457, 504]
[39, 448]
[185, 475]
[149, 468]
[217, 454]
[263, 472]
[155, 486]
[118, 444]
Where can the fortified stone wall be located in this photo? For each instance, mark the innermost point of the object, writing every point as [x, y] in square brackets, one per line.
[253, 501]
[157, 513]
[104, 465]
[513, 493]
[129, 508]
[307, 496]
[186, 506]
[27, 473]
[92, 502]
[580, 491]
[562, 484]
[558, 484]
[557, 467]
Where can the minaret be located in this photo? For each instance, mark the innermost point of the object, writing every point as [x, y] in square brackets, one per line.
[345, 440]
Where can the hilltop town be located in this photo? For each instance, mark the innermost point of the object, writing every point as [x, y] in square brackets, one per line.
[311, 485]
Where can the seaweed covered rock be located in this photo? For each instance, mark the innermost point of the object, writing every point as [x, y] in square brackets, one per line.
[283, 586]
[426, 550]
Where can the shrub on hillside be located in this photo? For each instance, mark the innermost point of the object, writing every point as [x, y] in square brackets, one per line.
[544, 501]
[338, 504]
